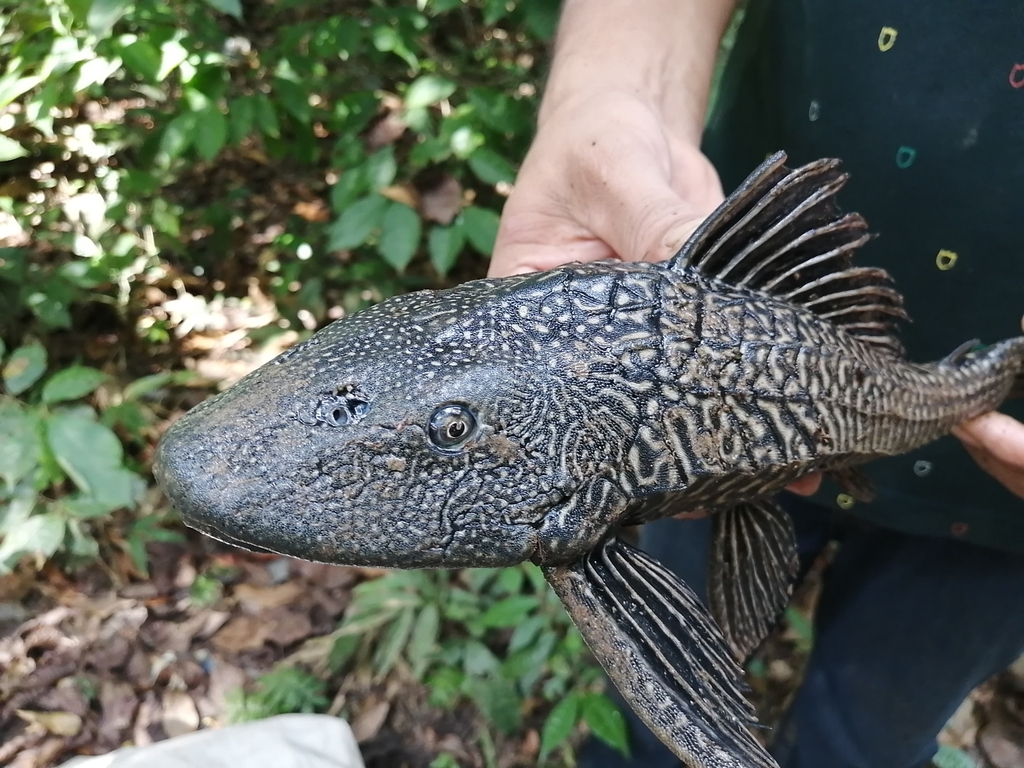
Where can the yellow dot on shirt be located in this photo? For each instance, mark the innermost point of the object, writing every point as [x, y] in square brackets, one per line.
[945, 260]
[844, 500]
[886, 38]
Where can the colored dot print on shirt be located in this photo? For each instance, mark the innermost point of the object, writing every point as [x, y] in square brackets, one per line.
[905, 157]
[814, 111]
[844, 500]
[1017, 76]
[959, 529]
[945, 260]
[886, 38]
[922, 468]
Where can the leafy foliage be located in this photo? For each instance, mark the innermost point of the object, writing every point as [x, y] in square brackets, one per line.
[499, 638]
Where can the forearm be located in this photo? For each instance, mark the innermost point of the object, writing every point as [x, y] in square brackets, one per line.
[662, 51]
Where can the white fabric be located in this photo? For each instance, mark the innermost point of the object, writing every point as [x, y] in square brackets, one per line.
[285, 741]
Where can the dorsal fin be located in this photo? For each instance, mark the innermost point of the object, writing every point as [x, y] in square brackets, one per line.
[781, 232]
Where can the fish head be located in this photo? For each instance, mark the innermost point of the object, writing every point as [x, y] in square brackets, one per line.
[417, 433]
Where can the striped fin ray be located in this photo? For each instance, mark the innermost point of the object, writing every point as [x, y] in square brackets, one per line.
[664, 653]
[782, 233]
[753, 565]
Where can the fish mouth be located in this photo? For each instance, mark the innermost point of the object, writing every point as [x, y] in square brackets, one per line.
[226, 538]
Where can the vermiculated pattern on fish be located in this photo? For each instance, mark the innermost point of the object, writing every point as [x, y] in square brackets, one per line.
[531, 417]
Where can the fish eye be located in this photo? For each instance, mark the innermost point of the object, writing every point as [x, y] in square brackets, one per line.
[451, 426]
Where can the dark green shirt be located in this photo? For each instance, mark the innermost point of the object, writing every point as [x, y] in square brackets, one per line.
[924, 103]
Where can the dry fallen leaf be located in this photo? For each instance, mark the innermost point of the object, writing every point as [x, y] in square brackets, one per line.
[243, 633]
[256, 599]
[180, 715]
[57, 723]
[369, 722]
[443, 202]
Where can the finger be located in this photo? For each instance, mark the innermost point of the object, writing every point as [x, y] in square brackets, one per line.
[999, 435]
[1011, 477]
[806, 486]
[534, 240]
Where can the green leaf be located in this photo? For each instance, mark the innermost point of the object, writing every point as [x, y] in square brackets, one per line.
[91, 456]
[481, 226]
[142, 387]
[211, 131]
[427, 90]
[10, 149]
[400, 235]
[394, 642]
[24, 367]
[178, 135]
[357, 223]
[230, 7]
[498, 700]
[41, 534]
[241, 116]
[424, 637]
[478, 659]
[510, 611]
[445, 245]
[142, 59]
[951, 757]
[72, 383]
[558, 727]
[50, 309]
[84, 507]
[104, 14]
[490, 167]
[605, 721]
[294, 98]
[266, 116]
[172, 55]
[3, 350]
[21, 446]
[380, 168]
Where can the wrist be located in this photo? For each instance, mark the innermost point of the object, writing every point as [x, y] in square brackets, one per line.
[659, 52]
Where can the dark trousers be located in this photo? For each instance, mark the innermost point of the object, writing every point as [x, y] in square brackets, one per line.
[907, 626]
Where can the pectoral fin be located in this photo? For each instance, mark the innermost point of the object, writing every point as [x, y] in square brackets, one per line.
[664, 653]
[753, 564]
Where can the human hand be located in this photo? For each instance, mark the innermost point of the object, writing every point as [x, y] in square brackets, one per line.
[606, 177]
[996, 442]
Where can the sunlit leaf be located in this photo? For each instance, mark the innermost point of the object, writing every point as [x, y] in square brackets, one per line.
[72, 383]
[21, 445]
[104, 14]
[141, 58]
[558, 727]
[94, 72]
[24, 367]
[357, 223]
[230, 7]
[91, 455]
[40, 534]
[427, 90]
[481, 225]
[172, 55]
[400, 235]
[10, 149]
